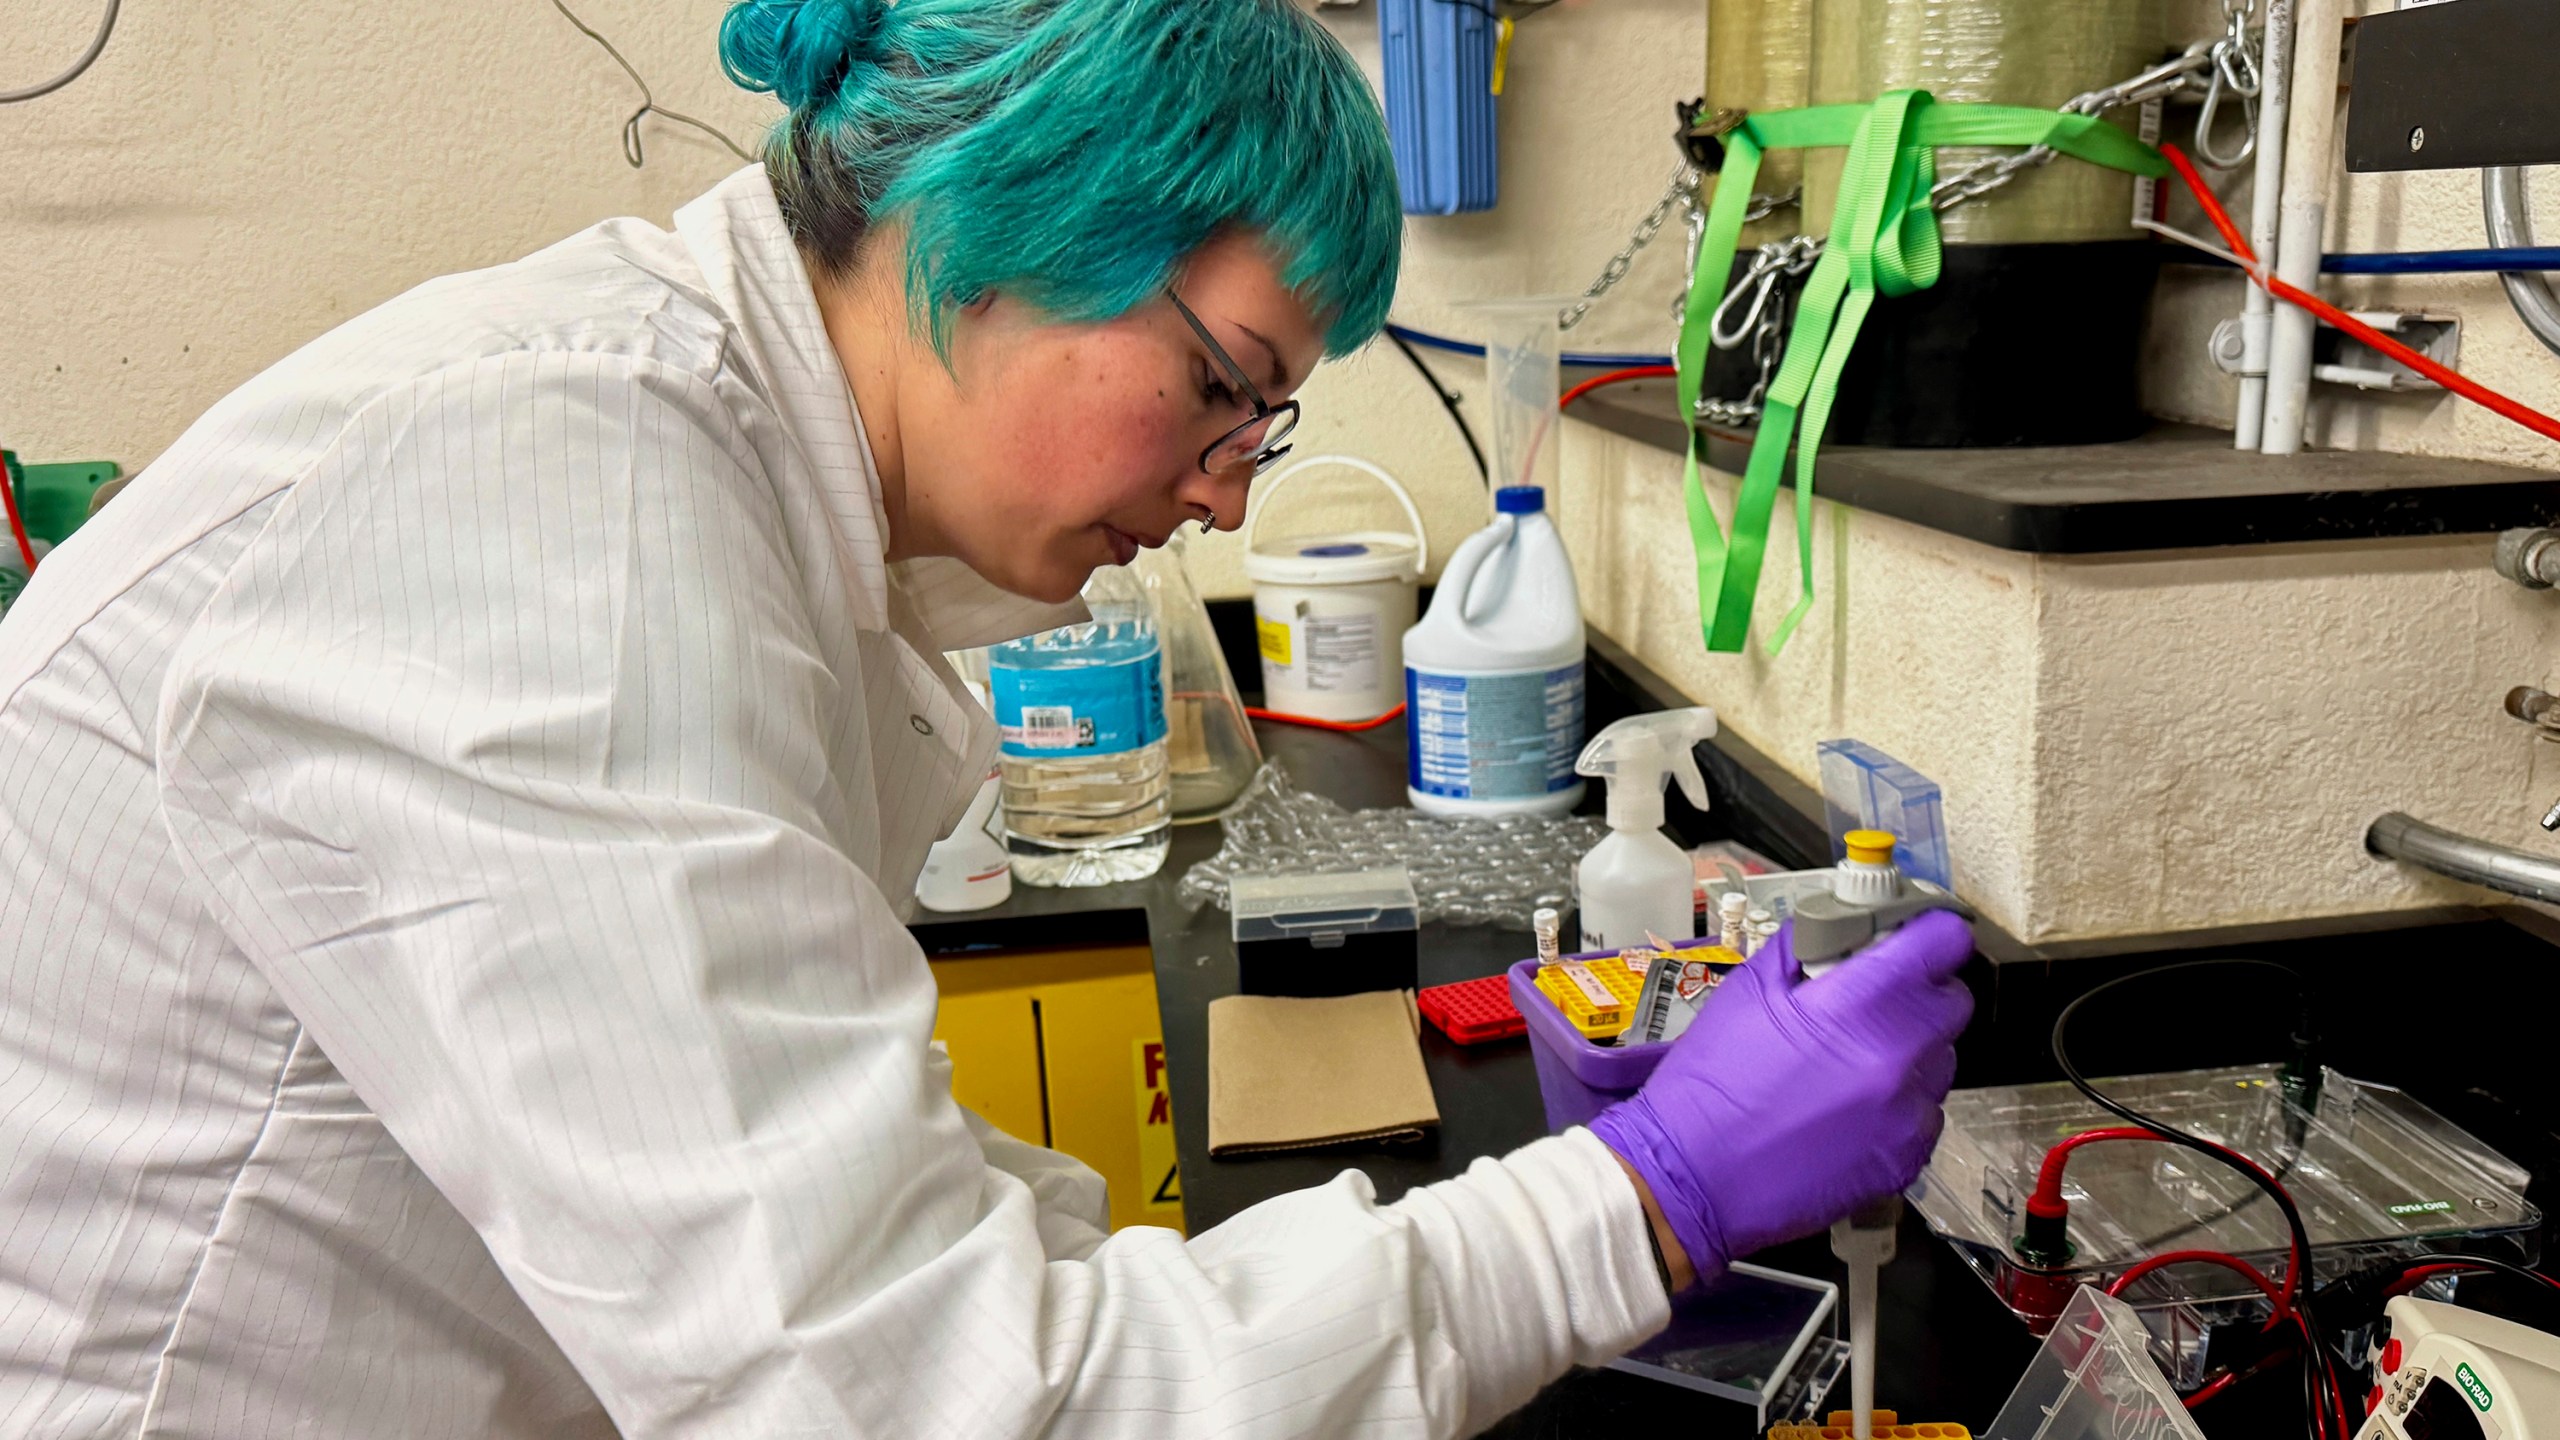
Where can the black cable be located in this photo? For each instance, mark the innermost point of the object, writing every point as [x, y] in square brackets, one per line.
[2282, 1171]
[1448, 399]
[649, 105]
[2319, 1372]
[79, 67]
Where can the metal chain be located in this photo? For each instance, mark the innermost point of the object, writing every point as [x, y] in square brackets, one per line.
[2235, 73]
[1763, 322]
[1766, 308]
[1682, 189]
[2160, 81]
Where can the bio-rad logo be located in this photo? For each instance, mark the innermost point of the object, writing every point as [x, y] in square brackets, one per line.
[2472, 1387]
[2423, 1207]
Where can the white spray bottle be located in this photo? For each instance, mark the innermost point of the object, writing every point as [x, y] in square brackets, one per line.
[1636, 880]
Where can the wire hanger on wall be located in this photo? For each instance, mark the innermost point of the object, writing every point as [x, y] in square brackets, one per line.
[106, 27]
[631, 148]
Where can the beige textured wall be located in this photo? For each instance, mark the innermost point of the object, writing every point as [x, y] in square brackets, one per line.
[232, 179]
[2129, 745]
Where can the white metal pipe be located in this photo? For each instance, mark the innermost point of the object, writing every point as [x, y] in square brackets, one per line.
[2310, 138]
[2502, 205]
[2266, 207]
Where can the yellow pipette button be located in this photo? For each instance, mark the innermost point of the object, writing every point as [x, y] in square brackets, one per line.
[1869, 847]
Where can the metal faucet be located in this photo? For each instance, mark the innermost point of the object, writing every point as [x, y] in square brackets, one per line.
[2541, 710]
[2531, 558]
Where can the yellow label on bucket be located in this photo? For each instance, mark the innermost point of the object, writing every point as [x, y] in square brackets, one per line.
[1275, 639]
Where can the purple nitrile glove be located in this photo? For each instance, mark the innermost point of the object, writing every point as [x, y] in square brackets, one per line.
[1790, 1102]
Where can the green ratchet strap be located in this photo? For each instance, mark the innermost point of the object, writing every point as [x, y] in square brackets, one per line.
[1884, 240]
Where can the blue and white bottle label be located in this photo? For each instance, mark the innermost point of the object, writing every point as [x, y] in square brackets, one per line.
[1493, 737]
[1074, 713]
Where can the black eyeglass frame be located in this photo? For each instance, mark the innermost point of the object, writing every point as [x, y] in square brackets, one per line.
[1264, 413]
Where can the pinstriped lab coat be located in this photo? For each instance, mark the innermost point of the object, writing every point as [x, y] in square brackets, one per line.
[456, 810]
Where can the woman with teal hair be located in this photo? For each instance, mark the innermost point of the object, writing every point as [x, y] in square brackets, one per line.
[458, 804]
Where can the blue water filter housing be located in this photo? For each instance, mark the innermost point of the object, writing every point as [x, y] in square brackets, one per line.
[1438, 62]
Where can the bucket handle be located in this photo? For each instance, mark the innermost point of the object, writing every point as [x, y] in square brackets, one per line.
[1271, 490]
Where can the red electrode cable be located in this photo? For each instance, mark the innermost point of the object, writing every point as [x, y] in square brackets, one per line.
[2452, 380]
[2046, 1203]
[2233, 1263]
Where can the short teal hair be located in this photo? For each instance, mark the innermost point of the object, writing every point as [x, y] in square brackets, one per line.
[1073, 152]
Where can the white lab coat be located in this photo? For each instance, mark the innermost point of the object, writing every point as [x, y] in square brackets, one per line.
[456, 809]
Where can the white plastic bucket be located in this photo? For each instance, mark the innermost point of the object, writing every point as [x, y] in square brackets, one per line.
[1330, 611]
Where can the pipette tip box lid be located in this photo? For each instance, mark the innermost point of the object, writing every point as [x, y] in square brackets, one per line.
[1863, 788]
[1764, 1340]
[1318, 935]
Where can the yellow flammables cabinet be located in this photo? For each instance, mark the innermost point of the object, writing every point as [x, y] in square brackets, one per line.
[1063, 1048]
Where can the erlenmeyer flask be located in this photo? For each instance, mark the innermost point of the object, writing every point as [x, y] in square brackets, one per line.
[1209, 747]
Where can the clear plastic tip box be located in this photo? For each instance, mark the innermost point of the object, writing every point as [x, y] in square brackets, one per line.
[2376, 1175]
[1315, 935]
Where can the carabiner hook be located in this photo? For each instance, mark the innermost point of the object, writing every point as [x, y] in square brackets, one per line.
[1759, 281]
[2205, 152]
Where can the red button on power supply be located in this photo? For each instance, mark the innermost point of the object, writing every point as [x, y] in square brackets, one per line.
[2391, 1357]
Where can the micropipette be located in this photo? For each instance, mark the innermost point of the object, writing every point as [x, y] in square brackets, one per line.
[1864, 1242]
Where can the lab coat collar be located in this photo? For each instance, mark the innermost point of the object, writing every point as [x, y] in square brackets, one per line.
[738, 236]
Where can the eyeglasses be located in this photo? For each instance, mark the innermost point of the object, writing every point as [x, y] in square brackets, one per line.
[1263, 437]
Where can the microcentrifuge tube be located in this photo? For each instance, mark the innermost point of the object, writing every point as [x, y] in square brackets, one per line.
[1731, 910]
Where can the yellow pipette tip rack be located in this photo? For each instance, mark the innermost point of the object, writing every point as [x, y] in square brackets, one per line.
[1883, 1425]
[1598, 996]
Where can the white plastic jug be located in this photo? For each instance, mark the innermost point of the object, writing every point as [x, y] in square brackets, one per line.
[1330, 611]
[1493, 674]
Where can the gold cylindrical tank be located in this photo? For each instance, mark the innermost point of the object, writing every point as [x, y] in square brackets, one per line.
[2037, 53]
[1970, 361]
[1760, 57]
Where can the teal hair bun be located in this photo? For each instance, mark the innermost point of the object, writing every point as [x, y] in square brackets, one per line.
[801, 50]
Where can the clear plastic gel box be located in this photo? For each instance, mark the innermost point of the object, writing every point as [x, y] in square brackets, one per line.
[2378, 1176]
[1310, 935]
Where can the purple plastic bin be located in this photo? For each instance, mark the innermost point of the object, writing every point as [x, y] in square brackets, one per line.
[1576, 1078]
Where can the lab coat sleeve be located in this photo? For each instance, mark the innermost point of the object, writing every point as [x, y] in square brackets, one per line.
[1071, 1201]
[504, 754]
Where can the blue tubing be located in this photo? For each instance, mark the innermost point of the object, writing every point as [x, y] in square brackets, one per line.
[2445, 262]
[1588, 359]
[2423, 262]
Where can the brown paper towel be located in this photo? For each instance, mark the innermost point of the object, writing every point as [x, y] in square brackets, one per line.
[1296, 1074]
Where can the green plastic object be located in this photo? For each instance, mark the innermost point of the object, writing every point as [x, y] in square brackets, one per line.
[1883, 242]
[54, 499]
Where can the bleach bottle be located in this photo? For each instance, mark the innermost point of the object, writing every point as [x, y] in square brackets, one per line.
[1493, 674]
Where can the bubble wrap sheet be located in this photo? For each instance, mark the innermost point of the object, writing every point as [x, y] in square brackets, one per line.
[1465, 872]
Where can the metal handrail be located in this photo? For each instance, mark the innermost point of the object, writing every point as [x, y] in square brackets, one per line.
[2398, 837]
